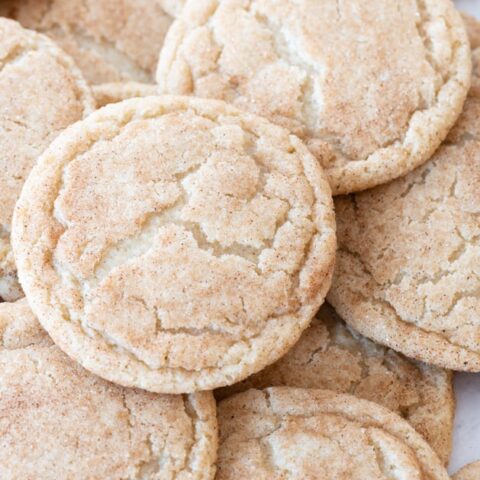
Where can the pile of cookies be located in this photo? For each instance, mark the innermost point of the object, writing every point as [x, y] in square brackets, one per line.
[183, 185]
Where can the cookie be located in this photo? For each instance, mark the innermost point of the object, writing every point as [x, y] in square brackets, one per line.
[407, 273]
[41, 92]
[473, 30]
[373, 87]
[303, 434]
[175, 244]
[110, 40]
[470, 472]
[59, 421]
[329, 355]
[106, 93]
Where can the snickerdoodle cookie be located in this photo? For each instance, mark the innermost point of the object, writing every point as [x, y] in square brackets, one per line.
[330, 355]
[470, 472]
[110, 40]
[41, 92]
[408, 269]
[175, 244]
[372, 86]
[106, 93]
[304, 434]
[58, 421]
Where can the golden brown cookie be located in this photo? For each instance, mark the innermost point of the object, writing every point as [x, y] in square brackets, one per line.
[175, 244]
[110, 40]
[303, 434]
[372, 86]
[106, 93]
[470, 472]
[407, 272]
[330, 355]
[58, 421]
[41, 92]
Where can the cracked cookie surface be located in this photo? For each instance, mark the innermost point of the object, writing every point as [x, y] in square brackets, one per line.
[470, 472]
[175, 244]
[329, 355]
[59, 421]
[371, 103]
[110, 40]
[407, 272]
[295, 433]
[41, 93]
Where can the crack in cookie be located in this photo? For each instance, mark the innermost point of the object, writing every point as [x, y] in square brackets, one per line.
[371, 103]
[417, 287]
[295, 433]
[186, 242]
[58, 420]
[31, 67]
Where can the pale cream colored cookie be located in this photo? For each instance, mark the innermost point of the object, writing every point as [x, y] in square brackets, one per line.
[470, 472]
[372, 86]
[329, 355]
[58, 421]
[110, 40]
[106, 93]
[303, 434]
[41, 92]
[175, 244]
[473, 30]
[408, 271]
[19, 328]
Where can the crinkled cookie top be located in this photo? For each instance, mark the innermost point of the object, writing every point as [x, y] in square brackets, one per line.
[59, 421]
[110, 40]
[304, 434]
[372, 86]
[41, 93]
[330, 355]
[408, 270]
[175, 244]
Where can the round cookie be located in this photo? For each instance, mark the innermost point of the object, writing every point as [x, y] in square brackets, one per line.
[106, 93]
[373, 87]
[329, 355]
[303, 434]
[470, 472]
[59, 421]
[110, 40]
[407, 272]
[175, 244]
[41, 93]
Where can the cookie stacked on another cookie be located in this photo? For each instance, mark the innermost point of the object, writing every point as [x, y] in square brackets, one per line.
[41, 93]
[311, 434]
[59, 421]
[173, 244]
[110, 40]
[407, 271]
[372, 87]
[330, 355]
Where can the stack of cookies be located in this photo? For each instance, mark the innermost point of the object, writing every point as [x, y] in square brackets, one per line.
[183, 184]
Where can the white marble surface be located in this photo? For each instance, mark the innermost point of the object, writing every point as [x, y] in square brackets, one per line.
[466, 438]
[469, 6]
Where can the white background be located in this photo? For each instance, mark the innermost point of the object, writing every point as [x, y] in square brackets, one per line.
[466, 438]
